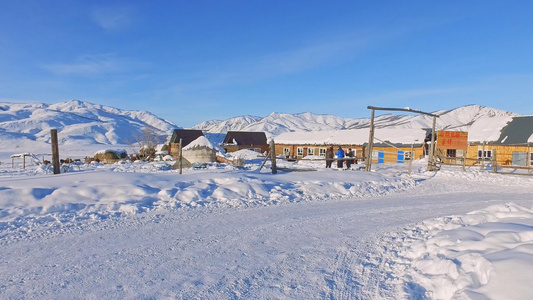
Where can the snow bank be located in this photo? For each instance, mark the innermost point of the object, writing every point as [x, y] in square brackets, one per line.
[245, 154]
[485, 254]
[99, 191]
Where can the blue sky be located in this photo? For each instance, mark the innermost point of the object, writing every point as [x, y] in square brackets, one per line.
[193, 61]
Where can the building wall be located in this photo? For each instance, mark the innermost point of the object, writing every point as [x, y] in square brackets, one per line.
[291, 151]
[174, 150]
[390, 154]
[200, 155]
[504, 153]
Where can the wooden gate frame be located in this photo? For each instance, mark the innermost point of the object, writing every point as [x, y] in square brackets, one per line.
[431, 160]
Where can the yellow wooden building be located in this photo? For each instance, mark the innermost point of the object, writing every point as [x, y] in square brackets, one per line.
[507, 141]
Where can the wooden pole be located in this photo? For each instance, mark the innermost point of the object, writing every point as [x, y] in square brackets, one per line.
[273, 156]
[55, 151]
[411, 157]
[265, 160]
[180, 157]
[464, 160]
[431, 158]
[528, 158]
[494, 161]
[483, 156]
[24, 161]
[368, 163]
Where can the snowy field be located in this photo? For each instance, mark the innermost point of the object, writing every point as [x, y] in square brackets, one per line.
[143, 231]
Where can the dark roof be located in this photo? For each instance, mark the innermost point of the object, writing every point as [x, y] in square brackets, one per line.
[517, 131]
[186, 136]
[246, 138]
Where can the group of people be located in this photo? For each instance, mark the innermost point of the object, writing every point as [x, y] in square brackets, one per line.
[341, 157]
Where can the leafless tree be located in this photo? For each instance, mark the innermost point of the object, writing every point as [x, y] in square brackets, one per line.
[145, 143]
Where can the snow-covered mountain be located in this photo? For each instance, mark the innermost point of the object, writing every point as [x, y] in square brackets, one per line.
[276, 123]
[76, 122]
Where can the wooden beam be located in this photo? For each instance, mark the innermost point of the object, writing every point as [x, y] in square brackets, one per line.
[402, 109]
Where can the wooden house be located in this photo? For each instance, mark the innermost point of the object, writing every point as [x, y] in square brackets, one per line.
[397, 145]
[298, 145]
[238, 140]
[451, 146]
[390, 145]
[508, 140]
[186, 136]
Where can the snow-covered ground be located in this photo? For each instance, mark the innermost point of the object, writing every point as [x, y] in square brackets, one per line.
[143, 231]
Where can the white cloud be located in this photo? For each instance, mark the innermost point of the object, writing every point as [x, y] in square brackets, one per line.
[113, 17]
[93, 64]
[320, 52]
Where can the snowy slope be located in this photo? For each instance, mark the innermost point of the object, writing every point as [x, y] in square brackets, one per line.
[76, 122]
[276, 123]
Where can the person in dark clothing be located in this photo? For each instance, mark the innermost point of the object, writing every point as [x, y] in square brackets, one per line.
[340, 156]
[329, 157]
[349, 154]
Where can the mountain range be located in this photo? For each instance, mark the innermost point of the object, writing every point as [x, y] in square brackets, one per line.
[80, 122]
[77, 122]
[276, 123]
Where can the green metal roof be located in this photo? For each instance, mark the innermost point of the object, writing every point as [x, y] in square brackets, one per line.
[518, 131]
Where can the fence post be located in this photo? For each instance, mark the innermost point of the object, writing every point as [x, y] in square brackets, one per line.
[528, 158]
[494, 161]
[180, 157]
[411, 157]
[368, 161]
[431, 158]
[273, 156]
[483, 156]
[55, 151]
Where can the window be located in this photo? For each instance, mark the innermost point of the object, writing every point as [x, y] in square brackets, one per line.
[300, 151]
[407, 155]
[322, 151]
[530, 158]
[520, 159]
[451, 153]
[487, 154]
[286, 152]
[310, 151]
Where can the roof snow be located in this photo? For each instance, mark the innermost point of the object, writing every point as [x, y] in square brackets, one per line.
[201, 141]
[487, 129]
[351, 137]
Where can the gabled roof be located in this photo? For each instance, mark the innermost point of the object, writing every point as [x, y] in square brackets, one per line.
[503, 131]
[186, 136]
[245, 138]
